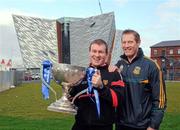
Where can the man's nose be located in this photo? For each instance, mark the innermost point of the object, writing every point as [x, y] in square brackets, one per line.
[96, 54]
[126, 44]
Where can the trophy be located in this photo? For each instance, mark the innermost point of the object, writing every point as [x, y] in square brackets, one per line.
[66, 75]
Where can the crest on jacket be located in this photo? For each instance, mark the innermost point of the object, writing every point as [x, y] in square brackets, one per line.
[105, 82]
[137, 70]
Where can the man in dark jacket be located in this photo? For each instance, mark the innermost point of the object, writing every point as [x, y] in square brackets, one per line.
[109, 87]
[145, 94]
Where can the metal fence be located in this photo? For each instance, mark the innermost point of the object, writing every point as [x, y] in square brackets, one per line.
[9, 79]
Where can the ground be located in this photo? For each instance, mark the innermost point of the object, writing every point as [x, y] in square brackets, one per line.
[23, 108]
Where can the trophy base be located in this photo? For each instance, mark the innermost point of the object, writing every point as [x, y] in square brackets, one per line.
[62, 105]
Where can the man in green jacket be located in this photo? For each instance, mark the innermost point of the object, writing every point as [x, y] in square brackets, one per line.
[145, 94]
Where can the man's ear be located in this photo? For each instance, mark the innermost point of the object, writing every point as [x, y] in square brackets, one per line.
[139, 42]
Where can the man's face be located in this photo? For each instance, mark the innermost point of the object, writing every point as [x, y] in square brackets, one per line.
[129, 45]
[97, 55]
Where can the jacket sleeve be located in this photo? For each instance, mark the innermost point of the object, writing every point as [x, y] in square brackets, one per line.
[158, 96]
[118, 63]
[114, 91]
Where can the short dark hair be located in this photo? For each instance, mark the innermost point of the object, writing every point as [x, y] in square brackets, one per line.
[99, 42]
[136, 34]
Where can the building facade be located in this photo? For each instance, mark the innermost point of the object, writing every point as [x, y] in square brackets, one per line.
[167, 55]
[63, 40]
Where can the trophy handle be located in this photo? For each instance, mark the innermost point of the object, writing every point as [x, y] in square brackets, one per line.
[78, 94]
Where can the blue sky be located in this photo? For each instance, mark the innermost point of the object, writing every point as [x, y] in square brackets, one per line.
[155, 20]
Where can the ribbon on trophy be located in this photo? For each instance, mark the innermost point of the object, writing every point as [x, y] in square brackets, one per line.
[46, 79]
[90, 72]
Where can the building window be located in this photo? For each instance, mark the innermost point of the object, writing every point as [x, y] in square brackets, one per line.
[171, 51]
[178, 51]
[163, 52]
[155, 52]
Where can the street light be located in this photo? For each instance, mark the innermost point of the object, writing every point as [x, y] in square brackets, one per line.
[163, 66]
[172, 66]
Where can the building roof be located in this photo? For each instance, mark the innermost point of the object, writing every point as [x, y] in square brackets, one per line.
[167, 43]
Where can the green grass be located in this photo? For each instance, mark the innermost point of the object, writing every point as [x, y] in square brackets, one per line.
[23, 108]
[172, 116]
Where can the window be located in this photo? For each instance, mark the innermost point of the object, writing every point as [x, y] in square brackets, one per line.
[171, 51]
[178, 51]
[163, 52]
[155, 52]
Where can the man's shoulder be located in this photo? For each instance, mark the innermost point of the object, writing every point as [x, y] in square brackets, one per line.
[120, 62]
[108, 73]
[151, 62]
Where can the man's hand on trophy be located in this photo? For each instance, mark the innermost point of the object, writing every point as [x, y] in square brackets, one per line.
[96, 80]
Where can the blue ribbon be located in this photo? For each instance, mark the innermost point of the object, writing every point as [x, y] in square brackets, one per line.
[46, 75]
[90, 72]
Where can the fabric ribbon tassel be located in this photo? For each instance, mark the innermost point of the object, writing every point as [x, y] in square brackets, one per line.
[90, 72]
[45, 76]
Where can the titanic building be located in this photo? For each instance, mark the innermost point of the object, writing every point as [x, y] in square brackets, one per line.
[64, 40]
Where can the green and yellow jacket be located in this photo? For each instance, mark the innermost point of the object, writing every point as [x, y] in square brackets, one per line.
[145, 95]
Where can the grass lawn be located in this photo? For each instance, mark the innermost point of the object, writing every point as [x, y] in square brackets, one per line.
[23, 108]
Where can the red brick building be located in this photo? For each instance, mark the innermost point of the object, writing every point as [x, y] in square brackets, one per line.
[167, 55]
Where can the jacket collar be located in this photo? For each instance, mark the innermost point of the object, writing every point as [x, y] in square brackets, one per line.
[139, 54]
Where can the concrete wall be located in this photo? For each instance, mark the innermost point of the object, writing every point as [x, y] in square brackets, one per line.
[5, 80]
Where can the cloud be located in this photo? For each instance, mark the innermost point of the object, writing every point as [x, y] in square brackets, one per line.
[46, 1]
[170, 4]
[7, 18]
[165, 26]
[39, 1]
[9, 48]
[169, 11]
[6, 14]
[121, 2]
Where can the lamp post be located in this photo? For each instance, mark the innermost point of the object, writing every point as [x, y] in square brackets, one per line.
[164, 67]
[172, 68]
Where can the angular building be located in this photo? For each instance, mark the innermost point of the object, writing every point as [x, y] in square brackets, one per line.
[65, 40]
[84, 31]
[37, 39]
[116, 48]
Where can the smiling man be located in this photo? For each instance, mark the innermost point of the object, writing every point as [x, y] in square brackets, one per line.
[145, 96]
[110, 90]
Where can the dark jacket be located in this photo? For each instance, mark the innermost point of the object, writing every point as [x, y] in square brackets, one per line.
[145, 96]
[87, 113]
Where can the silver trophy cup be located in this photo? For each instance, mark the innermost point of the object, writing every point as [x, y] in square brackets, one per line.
[66, 75]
